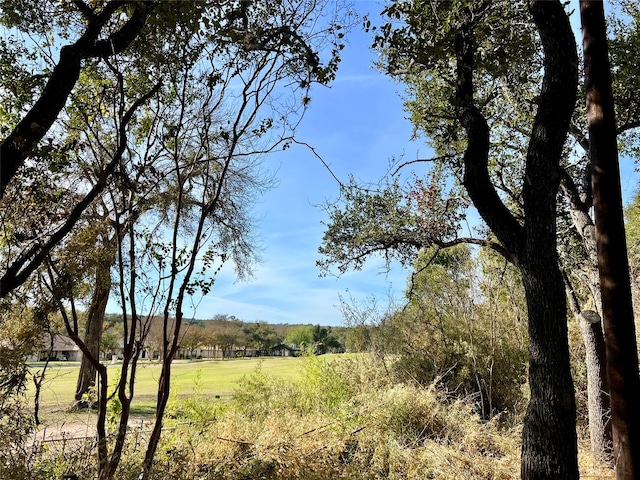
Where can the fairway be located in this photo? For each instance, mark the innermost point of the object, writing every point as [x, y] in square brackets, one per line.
[215, 378]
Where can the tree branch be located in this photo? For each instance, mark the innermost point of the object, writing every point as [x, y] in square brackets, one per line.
[476, 177]
[20, 270]
[31, 129]
[421, 160]
[571, 192]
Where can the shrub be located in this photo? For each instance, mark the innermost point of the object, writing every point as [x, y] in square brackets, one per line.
[320, 387]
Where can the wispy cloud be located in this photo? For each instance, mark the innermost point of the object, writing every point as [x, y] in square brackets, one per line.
[356, 125]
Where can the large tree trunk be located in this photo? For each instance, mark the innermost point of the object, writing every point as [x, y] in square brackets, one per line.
[549, 436]
[549, 449]
[550, 419]
[617, 307]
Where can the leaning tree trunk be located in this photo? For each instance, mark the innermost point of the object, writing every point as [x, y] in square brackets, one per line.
[617, 307]
[590, 324]
[93, 332]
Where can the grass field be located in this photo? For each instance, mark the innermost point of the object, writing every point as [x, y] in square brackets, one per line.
[215, 378]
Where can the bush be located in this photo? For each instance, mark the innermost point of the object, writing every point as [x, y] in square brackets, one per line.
[341, 419]
[320, 388]
[197, 408]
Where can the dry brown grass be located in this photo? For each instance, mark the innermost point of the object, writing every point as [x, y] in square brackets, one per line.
[380, 431]
[366, 429]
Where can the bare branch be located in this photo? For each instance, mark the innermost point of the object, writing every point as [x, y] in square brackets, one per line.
[319, 157]
[20, 270]
[423, 160]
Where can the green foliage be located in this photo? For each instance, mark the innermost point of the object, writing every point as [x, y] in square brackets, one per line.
[262, 336]
[299, 335]
[259, 393]
[324, 340]
[624, 41]
[162, 113]
[20, 334]
[393, 432]
[16, 425]
[466, 332]
[369, 222]
[114, 406]
[16, 78]
[383, 430]
[313, 338]
[417, 43]
[632, 227]
[198, 408]
[321, 388]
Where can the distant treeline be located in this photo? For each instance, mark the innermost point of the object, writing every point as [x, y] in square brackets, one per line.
[229, 332]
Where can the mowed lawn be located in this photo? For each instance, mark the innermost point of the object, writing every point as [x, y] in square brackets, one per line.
[212, 378]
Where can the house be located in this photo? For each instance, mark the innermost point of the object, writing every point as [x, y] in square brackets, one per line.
[64, 349]
[282, 350]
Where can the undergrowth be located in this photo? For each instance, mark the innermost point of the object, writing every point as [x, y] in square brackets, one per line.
[343, 419]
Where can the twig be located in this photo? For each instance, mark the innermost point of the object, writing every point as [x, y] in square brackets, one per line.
[322, 427]
[239, 442]
[418, 160]
[319, 157]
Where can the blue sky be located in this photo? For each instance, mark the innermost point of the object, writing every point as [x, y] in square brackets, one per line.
[357, 125]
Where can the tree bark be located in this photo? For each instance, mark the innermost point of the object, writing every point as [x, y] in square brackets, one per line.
[613, 265]
[93, 330]
[549, 437]
[20, 144]
[600, 430]
[598, 398]
[549, 448]
[597, 386]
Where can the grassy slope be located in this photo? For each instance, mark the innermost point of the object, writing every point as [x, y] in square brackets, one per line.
[218, 378]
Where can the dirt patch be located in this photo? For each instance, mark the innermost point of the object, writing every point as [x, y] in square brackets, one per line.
[64, 431]
[79, 426]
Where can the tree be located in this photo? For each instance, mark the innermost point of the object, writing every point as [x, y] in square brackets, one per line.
[300, 335]
[317, 339]
[97, 246]
[324, 340]
[226, 333]
[178, 179]
[453, 49]
[111, 333]
[102, 31]
[99, 39]
[192, 338]
[618, 320]
[262, 336]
